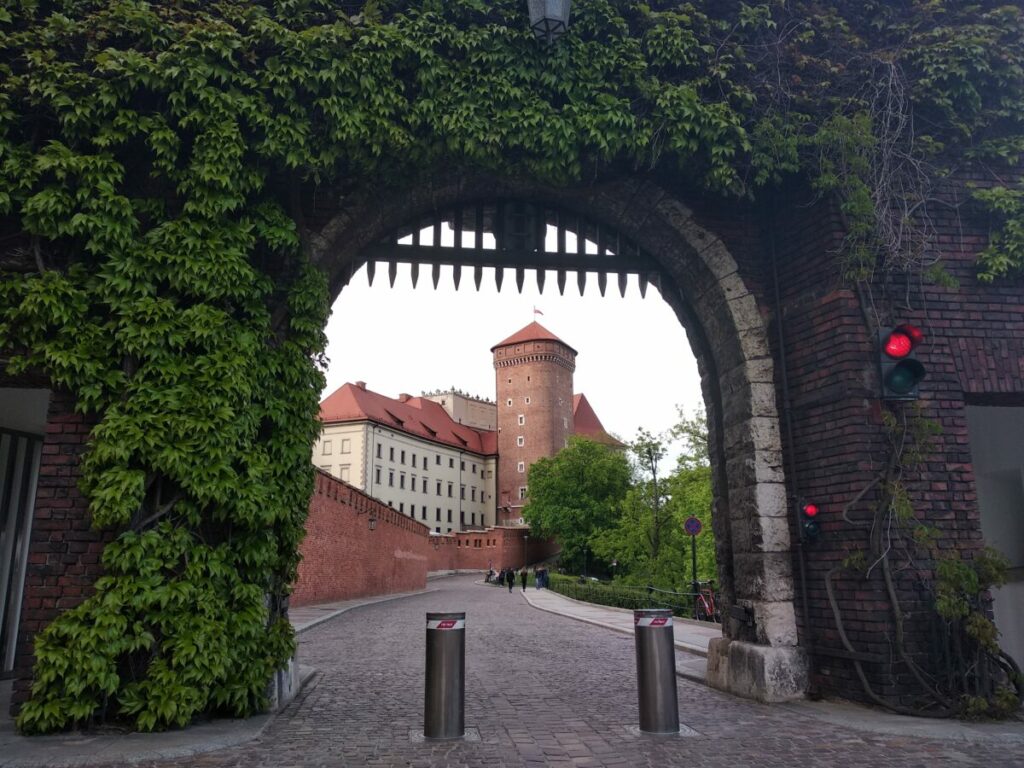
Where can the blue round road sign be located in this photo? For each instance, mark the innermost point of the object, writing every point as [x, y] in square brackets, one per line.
[692, 526]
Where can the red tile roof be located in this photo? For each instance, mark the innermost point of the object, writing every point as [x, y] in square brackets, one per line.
[586, 424]
[533, 332]
[413, 415]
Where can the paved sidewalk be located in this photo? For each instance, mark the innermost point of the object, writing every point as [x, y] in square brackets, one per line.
[540, 691]
[691, 637]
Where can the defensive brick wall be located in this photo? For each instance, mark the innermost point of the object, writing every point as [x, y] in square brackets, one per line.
[342, 558]
[495, 548]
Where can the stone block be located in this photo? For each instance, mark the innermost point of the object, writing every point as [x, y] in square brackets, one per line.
[763, 673]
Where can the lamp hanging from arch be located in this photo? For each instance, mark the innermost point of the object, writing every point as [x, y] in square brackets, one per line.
[549, 19]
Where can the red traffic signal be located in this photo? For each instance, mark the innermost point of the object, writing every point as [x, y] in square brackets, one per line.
[810, 528]
[900, 370]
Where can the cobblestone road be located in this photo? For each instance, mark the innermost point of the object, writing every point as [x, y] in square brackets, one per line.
[541, 690]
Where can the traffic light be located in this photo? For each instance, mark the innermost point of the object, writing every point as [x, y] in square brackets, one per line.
[900, 370]
[810, 528]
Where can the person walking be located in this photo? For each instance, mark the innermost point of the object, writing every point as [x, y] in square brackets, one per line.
[510, 579]
[522, 577]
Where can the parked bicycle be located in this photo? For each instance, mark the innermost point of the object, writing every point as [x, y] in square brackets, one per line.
[705, 606]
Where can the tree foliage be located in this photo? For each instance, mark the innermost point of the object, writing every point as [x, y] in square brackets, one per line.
[574, 493]
[151, 157]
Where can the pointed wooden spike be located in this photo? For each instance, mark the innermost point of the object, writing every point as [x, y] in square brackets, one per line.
[643, 285]
[499, 276]
[371, 270]
[520, 277]
[581, 281]
[602, 282]
[435, 274]
[457, 275]
[541, 276]
[623, 277]
[415, 273]
[392, 272]
[478, 275]
[561, 282]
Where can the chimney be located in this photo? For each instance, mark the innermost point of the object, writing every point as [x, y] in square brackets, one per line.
[361, 385]
[404, 398]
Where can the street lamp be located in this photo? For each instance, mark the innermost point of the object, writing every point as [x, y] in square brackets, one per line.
[549, 19]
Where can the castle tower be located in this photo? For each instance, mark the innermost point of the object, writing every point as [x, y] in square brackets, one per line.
[533, 376]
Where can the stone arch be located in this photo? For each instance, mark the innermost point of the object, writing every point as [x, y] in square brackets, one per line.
[712, 297]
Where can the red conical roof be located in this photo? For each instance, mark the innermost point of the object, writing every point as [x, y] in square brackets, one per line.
[533, 332]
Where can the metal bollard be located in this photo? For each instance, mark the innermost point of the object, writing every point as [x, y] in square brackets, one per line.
[444, 713]
[656, 670]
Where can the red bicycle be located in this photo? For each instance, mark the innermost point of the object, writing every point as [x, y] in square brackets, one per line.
[705, 607]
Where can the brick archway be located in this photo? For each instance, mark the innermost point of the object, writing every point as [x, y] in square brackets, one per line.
[712, 296]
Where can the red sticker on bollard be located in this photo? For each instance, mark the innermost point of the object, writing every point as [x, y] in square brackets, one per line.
[446, 624]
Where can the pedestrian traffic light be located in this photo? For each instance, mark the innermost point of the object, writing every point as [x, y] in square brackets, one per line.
[810, 528]
[900, 370]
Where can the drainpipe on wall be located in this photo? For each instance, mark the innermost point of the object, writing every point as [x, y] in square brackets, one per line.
[791, 473]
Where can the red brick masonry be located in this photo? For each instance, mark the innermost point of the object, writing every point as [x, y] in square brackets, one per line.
[342, 558]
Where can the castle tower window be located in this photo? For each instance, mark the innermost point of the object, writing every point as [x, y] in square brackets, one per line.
[521, 466]
[520, 441]
[522, 419]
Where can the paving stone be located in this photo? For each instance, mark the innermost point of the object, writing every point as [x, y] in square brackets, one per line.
[541, 690]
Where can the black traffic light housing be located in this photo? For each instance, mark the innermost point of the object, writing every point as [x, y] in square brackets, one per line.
[810, 527]
[899, 368]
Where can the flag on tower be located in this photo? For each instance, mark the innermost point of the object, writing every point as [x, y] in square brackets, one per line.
[537, 311]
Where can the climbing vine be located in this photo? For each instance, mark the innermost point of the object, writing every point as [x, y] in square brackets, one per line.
[153, 161]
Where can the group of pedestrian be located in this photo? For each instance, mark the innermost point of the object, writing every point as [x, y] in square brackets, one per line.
[507, 577]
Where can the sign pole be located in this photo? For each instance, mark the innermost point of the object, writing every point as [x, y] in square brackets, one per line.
[693, 527]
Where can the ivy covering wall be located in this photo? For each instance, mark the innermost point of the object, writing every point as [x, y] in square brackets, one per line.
[151, 157]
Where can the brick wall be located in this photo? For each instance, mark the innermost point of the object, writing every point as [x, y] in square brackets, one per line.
[343, 559]
[973, 353]
[64, 552]
[496, 548]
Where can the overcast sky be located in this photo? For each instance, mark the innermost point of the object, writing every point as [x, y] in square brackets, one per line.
[634, 362]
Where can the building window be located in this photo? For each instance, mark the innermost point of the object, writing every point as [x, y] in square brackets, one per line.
[391, 453]
[376, 475]
[521, 466]
[522, 419]
[423, 512]
[474, 518]
[403, 457]
[449, 530]
[424, 485]
[401, 507]
[326, 468]
[414, 459]
[346, 445]
[437, 459]
[520, 441]
[327, 447]
[522, 491]
[462, 517]
[401, 480]
[451, 463]
[462, 492]
[462, 465]
[565, 422]
[451, 489]
[437, 529]
[391, 478]
[527, 398]
[472, 493]
[438, 487]
[424, 462]
[379, 449]
[344, 472]
[474, 469]
[449, 515]
[437, 514]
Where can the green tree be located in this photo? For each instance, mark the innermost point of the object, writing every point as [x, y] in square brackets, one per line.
[575, 493]
[647, 541]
